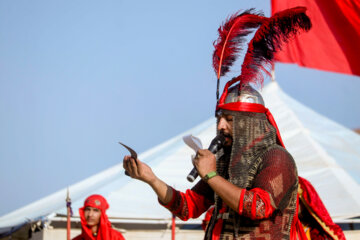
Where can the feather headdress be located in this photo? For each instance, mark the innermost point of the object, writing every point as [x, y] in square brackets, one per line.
[267, 40]
[231, 35]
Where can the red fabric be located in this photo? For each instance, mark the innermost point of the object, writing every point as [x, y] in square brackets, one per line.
[207, 218]
[252, 107]
[218, 226]
[313, 200]
[331, 44]
[241, 201]
[297, 230]
[243, 107]
[255, 198]
[187, 205]
[209, 213]
[105, 232]
[192, 205]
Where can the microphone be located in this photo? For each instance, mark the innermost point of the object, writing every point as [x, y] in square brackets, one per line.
[215, 145]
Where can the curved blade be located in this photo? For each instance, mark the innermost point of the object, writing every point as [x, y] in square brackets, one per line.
[132, 152]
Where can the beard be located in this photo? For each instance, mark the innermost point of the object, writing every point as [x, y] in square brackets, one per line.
[228, 138]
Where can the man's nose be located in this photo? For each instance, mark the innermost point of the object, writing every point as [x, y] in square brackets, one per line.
[221, 124]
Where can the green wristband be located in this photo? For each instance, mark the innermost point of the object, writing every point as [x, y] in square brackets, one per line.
[210, 175]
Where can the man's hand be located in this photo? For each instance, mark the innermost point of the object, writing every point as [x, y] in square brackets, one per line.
[143, 172]
[138, 170]
[205, 162]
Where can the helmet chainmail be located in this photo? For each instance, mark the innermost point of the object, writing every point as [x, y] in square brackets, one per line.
[253, 138]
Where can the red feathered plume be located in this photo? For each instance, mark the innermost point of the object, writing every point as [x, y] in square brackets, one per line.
[231, 35]
[268, 38]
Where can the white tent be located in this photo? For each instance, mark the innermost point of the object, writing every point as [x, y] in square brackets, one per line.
[326, 153]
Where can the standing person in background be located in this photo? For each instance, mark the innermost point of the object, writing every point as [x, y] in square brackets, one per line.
[95, 224]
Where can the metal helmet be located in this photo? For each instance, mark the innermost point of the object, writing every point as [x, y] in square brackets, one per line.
[245, 94]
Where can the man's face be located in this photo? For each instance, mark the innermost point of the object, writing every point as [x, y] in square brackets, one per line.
[225, 126]
[92, 216]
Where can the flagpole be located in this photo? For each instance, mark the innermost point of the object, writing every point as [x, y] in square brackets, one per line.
[68, 206]
[273, 73]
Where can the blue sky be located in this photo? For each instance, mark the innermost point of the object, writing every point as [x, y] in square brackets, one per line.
[76, 77]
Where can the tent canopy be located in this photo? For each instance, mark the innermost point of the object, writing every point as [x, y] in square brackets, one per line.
[326, 154]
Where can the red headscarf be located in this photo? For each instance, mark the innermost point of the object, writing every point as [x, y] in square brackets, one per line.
[105, 232]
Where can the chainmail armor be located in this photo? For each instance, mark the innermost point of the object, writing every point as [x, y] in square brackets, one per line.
[255, 160]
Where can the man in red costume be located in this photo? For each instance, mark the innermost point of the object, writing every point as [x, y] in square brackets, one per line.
[95, 224]
[252, 181]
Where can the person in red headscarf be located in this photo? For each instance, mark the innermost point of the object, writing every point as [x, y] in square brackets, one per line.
[95, 224]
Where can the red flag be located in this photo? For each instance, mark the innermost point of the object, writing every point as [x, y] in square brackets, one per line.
[333, 43]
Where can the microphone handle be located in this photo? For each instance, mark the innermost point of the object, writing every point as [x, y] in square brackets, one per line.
[192, 175]
[215, 145]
